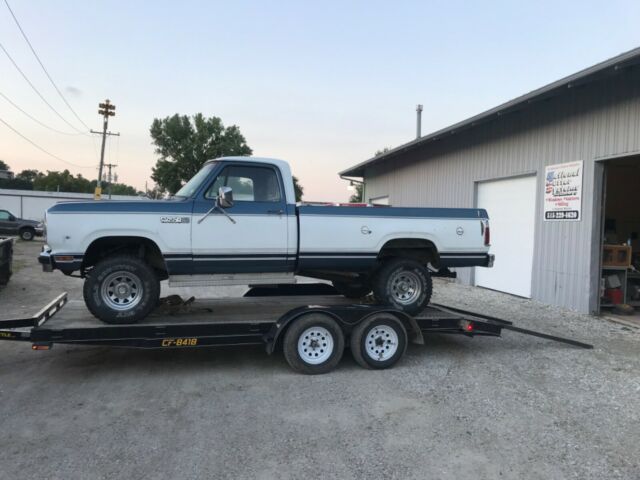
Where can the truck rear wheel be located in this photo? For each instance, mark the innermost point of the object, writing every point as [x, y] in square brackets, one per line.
[313, 344]
[121, 289]
[379, 341]
[358, 289]
[404, 284]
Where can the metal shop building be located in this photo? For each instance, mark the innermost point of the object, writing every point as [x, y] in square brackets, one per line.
[558, 170]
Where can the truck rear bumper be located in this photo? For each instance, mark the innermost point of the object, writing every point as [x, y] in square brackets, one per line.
[466, 260]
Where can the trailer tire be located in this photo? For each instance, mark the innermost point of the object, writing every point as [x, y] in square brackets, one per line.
[140, 290]
[379, 341]
[404, 284]
[313, 344]
[352, 290]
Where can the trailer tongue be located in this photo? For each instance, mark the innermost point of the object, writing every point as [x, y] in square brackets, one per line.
[311, 329]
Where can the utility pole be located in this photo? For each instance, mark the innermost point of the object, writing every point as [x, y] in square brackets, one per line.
[106, 109]
[109, 177]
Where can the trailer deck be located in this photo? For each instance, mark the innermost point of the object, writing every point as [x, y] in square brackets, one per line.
[260, 318]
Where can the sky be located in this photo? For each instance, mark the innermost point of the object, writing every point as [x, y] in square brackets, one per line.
[322, 85]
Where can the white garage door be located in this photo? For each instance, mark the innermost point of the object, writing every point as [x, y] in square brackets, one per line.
[511, 206]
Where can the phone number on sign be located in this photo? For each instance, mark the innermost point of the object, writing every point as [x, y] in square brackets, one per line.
[563, 215]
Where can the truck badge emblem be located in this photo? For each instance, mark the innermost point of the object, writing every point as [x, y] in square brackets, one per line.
[174, 219]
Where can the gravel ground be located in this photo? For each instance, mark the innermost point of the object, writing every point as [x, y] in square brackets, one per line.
[482, 408]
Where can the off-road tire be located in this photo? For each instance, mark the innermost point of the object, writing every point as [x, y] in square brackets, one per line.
[377, 327]
[292, 338]
[387, 285]
[94, 296]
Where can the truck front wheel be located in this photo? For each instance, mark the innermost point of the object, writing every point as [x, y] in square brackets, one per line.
[121, 289]
[27, 234]
[404, 284]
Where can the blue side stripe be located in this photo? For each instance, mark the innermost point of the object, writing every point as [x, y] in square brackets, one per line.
[408, 212]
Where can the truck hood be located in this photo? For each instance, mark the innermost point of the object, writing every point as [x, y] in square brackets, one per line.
[122, 207]
[24, 221]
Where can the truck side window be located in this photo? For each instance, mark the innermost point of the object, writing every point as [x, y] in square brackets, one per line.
[249, 184]
[4, 215]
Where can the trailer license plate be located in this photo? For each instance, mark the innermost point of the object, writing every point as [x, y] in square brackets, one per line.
[179, 342]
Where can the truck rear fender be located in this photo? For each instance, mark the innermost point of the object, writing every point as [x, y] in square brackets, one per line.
[142, 247]
[420, 249]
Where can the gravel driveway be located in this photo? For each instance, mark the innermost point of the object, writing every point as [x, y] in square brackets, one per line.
[483, 408]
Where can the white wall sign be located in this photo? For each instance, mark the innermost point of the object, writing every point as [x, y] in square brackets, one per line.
[563, 191]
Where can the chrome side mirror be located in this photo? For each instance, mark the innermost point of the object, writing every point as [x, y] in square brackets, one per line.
[225, 197]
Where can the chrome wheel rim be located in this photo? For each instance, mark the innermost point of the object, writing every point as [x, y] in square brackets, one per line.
[381, 343]
[315, 345]
[27, 235]
[122, 290]
[406, 287]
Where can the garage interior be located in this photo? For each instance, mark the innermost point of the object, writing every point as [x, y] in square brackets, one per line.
[620, 268]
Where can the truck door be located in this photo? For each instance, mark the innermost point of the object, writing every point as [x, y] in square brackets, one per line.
[257, 241]
[7, 227]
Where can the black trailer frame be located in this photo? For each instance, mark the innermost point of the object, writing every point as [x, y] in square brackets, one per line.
[173, 332]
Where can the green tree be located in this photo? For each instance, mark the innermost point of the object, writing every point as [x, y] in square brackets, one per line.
[29, 175]
[122, 189]
[357, 195]
[4, 166]
[184, 143]
[298, 189]
[62, 181]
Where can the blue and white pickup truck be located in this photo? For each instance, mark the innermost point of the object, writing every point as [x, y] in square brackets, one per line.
[236, 223]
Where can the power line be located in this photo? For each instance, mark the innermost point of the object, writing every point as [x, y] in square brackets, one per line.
[42, 149]
[17, 107]
[37, 91]
[43, 67]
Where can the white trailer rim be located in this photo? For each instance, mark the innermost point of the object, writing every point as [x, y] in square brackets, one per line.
[315, 345]
[381, 343]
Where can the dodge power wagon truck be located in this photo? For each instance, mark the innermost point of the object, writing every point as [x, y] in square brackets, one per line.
[236, 223]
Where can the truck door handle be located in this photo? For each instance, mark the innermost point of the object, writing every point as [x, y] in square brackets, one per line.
[275, 212]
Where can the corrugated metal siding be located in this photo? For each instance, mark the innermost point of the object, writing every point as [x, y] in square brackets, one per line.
[590, 122]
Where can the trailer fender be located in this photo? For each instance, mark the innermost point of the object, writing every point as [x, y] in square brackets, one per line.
[346, 318]
[277, 330]
[413, 330]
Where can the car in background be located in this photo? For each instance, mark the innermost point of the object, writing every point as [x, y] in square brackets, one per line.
[25, 229]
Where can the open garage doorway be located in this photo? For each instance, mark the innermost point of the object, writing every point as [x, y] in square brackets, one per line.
[619, 291]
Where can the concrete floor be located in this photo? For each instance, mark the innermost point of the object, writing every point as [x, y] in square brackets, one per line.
[484, 408]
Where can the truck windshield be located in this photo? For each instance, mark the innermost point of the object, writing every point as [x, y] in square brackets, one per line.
[192, 185]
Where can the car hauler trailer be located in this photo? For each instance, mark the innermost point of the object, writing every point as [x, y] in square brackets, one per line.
[309, 322]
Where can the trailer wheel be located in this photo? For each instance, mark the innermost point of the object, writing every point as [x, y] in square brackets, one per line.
[313, 344]
[379, 341]
[404, 284]
[121, 289]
